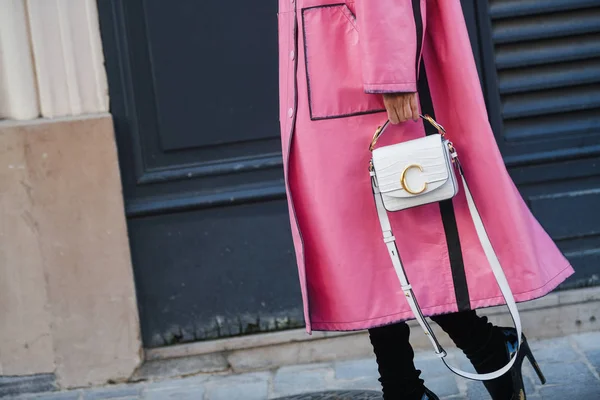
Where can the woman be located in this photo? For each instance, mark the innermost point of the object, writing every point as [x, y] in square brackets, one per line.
[344, 69]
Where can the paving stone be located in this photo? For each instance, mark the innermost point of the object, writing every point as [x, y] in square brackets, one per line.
[248, 387]
[571, 374]
[175, 393]
[117, 392]
[433, 367]
[129, 398]
[337, 395]
[367, 383]
[438, 378]
[251, 391]
[15, 385]
[464, 364]
[531, 385]
[593, 357]
[347, 370]
[70, 395]
[295, 380]
[476, 391]
[587, 341]
[571, 392]
[554, 350]
[444, 386]
[298, 369]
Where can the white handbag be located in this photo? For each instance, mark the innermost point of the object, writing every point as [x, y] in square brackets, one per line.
[419, 172]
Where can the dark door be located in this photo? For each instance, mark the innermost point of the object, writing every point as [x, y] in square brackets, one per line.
[539, 63]
[194, 95]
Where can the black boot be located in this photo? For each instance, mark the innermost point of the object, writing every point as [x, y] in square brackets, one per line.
[398, 376]
[489, 348]
[483, 344]
[490, 356]
[499, 388]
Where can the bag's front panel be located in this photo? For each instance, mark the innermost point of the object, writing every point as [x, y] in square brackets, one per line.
[414, 173]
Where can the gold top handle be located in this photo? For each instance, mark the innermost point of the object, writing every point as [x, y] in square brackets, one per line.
[382, 128]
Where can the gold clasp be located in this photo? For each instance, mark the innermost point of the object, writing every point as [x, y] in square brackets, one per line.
[405, 184]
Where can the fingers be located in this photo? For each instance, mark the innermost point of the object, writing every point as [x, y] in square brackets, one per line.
[392, 114]
[401, 107]
[390, 105]
[398, 114]
[414, 108]
[407, 109]
[396, 110]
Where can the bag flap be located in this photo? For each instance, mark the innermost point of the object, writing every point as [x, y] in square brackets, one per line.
[428, 154]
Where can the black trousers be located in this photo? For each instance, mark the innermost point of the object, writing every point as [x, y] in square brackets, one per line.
[398, 375]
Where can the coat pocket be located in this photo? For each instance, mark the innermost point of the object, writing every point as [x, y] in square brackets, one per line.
[333, 64]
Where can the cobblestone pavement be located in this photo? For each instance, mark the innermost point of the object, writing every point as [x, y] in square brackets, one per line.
[571, 364]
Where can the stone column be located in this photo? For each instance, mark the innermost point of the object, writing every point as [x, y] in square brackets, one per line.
[18, 94]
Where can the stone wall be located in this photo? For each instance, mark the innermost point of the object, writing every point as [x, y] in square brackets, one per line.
[67, 296]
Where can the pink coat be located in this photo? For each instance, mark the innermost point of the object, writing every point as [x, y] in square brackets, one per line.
[335, 60]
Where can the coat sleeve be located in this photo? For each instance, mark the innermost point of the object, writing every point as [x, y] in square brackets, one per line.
[390, 34]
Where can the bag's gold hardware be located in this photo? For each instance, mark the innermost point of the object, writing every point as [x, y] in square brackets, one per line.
[375, 137]
[405, 184]
[426, 117]
[433, 122]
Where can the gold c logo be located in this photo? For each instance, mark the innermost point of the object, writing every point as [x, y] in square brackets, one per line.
[405, 185]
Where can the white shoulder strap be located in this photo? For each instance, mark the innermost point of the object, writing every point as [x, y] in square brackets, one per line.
[390, 242]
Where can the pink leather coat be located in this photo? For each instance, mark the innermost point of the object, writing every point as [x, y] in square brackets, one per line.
[335, 59]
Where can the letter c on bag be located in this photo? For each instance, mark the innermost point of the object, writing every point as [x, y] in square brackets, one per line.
[405, 184]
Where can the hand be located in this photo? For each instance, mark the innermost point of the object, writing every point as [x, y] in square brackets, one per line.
[401, 107]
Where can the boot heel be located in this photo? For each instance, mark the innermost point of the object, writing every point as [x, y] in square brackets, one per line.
[534, 364]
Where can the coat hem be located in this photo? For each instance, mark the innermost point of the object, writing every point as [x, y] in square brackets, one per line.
[443, 309]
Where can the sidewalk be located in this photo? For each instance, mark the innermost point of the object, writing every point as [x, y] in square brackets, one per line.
[571, 365]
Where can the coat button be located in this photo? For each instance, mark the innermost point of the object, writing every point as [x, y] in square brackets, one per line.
[292, 54]
[291, 112]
